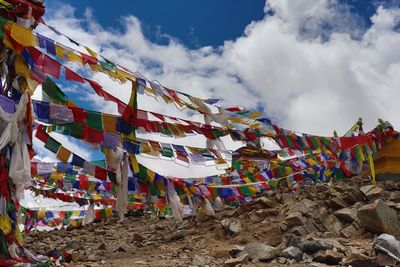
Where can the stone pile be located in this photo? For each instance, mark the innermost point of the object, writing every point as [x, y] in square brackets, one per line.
[320, 226]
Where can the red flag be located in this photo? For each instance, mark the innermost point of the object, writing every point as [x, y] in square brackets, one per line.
[51, 67]
[100, 173]
[41, 135]
[86, 59]
[73, 76]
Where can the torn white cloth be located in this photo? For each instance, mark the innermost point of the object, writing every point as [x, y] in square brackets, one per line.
[90, 215]
[14, 131]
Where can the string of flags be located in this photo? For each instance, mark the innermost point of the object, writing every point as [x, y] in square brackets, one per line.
[303, 158]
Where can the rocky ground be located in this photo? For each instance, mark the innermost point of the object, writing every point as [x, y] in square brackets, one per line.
[323, 225]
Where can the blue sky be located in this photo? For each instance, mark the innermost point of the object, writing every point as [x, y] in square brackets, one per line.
[194, 23]
[198, 23]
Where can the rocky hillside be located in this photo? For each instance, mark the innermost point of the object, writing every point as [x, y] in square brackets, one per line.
[322, 225]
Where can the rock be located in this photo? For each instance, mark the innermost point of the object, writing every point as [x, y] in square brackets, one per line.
[283, 226]
[319, 215]
[350, 231]
[332, 224]
[299, 231]
[102, 246]
[378, 217]
[362, 262]
[310, 247]
[329, 257]
[183, 225]
[307, 258]
[293, 241]
[329, 235]
[280, 260]
[383, 259]
[232, 262]
[347, 214]
[266, 213]
[198, 261]
[92, 258]
[372, 192]
[234, 226]
[338, 203]
[234, 250]
[259, 251]
[375, 193]
[179, 235]
[395, 195]
[353, 195]
[366, 188]
[295, 219]
[292, 253]
[121, 248]
[389, 245]
[75, 244]
[265, 201]
[393, 205]
[137, 237]
[304, 206]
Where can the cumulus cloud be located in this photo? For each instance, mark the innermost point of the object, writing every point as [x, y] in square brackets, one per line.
[312, 65]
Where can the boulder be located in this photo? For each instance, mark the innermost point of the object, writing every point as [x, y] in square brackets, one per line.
[389, 245]
[232, 262]
[259, 251]
[332, 224]
[293, 253]
[319, 215]
[353, 195]
[304, 206]
[372, 192]
[338, 203]
[350, 231]
[378, 217]
[329, 257]
[348, 214]
[295, 219]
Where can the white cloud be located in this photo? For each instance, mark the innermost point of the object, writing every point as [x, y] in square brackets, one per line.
[308, 76]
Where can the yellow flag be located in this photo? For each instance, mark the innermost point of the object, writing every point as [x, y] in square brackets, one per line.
[254, 115]
[41, 214]
[18, 236]
[371, 165]
[151, 175]
[23, 36]
[5, 224]
[60, 51]
[74, 57]
[91, 52]
[135, 164]
[109, 212]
